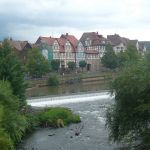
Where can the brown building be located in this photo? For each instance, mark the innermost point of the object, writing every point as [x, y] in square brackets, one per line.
[21, 49]
[94, 48]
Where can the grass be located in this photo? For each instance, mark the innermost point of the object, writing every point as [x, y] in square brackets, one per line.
[51, 116]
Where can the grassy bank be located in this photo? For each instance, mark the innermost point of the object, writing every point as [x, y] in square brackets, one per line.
[57, 117]
[51, 117]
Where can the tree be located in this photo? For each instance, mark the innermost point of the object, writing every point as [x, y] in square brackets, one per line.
[109, 60]
[130, 55]
[12, 123]
[82, 64]
[11, 70]
[55, 64]
[130, 115]
[71, 65]
[37, 65]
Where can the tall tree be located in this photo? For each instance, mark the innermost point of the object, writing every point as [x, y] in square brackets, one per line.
[37, 65]
[130, 115]
[12, 123]
[130, 55]
[11, 70]
[109, 60]
[82, 64]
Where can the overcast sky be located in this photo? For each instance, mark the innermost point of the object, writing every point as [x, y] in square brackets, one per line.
[28, 19]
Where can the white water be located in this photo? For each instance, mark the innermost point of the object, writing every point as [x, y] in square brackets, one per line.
[58, 100]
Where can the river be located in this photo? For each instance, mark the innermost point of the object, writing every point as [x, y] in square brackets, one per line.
[67, 89]
[92, 109]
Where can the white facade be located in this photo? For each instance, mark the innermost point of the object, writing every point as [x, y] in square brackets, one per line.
[119, 48]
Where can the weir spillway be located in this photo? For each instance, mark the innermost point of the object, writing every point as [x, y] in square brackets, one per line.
[67, 99]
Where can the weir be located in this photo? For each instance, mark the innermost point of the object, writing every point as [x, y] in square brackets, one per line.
[77, 98]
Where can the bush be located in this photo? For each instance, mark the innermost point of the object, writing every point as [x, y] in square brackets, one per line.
[130, 115]
[53, 81]
[52, 115]
[5, 141]
[33, 121]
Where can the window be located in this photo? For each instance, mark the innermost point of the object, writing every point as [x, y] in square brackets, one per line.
[88, 42]
[67, 46]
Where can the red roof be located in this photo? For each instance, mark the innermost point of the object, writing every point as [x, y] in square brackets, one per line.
[61, 42]
[47, 40]
[72, 39]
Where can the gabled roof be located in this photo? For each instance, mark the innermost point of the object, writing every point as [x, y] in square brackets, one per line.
[19, 45]
[61, 42]
[72, 39]
[116, 39]
[95, 38]
[48, 40]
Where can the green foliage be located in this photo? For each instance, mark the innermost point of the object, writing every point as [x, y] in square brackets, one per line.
[130, 115]
[13, 122]
[11, 70]
[32, 121]
[131, 55]
[109, 60]
[55, 64]
[51, 116]
[82, 64]
[53, 81]
[71, 65]
[5, 141]
[37, 65]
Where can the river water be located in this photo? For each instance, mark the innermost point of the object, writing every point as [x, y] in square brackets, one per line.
[67, 89]
[90, 102]
[93, 134]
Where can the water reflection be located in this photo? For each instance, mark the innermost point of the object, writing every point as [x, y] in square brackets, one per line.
[67, 89]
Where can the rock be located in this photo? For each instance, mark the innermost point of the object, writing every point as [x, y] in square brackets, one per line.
[77, 133]
[51, 134]
[71, 137]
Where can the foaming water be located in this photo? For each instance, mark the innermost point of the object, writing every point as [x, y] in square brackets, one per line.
[59, 100]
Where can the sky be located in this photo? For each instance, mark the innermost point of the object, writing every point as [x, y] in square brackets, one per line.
[29, 19]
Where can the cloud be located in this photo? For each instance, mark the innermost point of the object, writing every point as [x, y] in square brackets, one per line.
[27, 19]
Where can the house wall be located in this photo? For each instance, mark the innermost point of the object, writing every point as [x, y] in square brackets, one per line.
[118, 48]
[46, 51]
[80, 55]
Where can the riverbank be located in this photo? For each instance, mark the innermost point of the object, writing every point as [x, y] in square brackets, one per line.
[74, 78]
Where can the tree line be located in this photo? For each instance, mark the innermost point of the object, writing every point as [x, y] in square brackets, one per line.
[128, 119]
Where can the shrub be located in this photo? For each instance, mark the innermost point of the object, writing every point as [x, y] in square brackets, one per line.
[50, 117]
[53, 81]
[71, 65]
[33, 121]
[5, 141]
